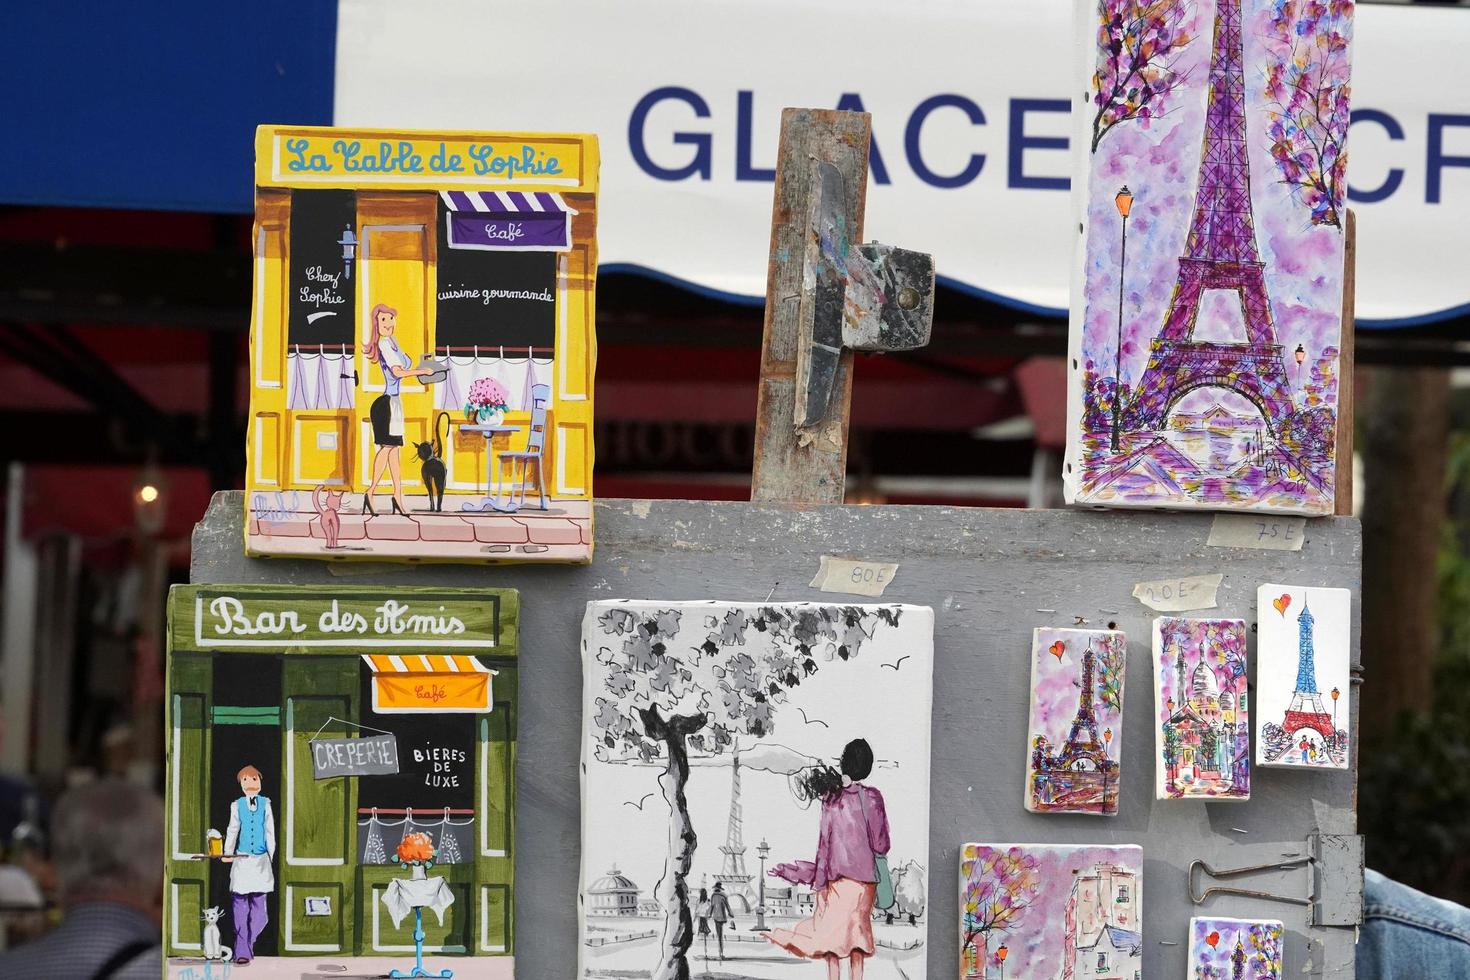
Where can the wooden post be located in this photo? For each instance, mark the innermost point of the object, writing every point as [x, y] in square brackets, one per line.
[1345, 380]
[809, 464]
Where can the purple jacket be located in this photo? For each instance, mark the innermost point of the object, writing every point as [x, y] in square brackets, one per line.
[844, 850]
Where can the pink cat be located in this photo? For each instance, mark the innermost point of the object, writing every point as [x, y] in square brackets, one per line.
[330, 520]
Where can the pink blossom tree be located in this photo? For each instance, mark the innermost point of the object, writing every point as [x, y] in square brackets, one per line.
[1307, 101]
[1138, 46]
[999, 887]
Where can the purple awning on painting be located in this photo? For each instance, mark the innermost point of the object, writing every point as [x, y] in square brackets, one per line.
[508, 220]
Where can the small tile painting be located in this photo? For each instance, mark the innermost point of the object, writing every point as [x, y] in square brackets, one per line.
[1051, 910]
[1235, 949]
[1074, 741]
[1200, 700]
[1302, 676]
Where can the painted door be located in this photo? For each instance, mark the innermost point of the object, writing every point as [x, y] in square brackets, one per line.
[397, 241]
[268, 425]
[316, 836]
[186, 822]
[569, 472]
[495, 801]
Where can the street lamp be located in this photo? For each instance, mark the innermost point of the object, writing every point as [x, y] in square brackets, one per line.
[1000, 957]
[1124, 202]
[1107, 742]
[348, 241]
[763, 849]
[1301, 357]
[1335, 695]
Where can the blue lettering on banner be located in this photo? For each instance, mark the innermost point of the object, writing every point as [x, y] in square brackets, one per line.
[1436, 159]
[916, 125]
[1395, 176]
[852, 102]
[699, 164]
[1020, 143]
[743, 170]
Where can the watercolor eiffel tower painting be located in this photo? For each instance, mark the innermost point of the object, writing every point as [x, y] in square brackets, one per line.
[1205, 351]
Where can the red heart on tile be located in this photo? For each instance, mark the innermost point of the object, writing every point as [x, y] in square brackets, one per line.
[1213, 939]
[1057, 649]
[1281, 602]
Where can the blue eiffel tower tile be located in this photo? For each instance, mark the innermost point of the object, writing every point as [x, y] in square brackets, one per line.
[1303, 694]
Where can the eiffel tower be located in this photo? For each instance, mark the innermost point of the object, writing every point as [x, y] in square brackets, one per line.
[1306, 709]
[732, 872]
[1078, 749]
[1220, 253]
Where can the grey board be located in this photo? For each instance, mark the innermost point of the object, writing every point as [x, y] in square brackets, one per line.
[987, 574]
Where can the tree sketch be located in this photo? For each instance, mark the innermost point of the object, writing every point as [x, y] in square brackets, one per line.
[999, 887]
[1139, 43]
[1307, 101]
[671, 691]
[1111, 655]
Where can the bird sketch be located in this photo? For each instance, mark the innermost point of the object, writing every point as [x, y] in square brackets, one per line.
[897, 663]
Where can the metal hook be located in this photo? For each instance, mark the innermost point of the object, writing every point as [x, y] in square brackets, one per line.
[1246, 892]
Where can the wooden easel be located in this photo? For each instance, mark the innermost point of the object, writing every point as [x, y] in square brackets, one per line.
[807, 466]
[1344, 452]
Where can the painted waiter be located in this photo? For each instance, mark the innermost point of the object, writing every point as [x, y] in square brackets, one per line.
[251, 845]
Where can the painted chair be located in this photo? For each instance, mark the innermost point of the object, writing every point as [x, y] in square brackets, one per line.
[535, 444]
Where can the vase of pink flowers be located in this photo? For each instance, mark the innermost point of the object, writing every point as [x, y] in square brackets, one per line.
[486, 402]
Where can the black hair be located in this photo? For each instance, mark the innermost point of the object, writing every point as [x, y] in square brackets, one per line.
[824, 782]
[703, 895]
[857, 759]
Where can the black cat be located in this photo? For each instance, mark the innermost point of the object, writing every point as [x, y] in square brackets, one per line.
[432, 455]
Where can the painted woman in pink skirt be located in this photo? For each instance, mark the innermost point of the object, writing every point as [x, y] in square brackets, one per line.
[854, 831]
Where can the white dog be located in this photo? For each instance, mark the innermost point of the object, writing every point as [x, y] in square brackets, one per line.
[213, 950]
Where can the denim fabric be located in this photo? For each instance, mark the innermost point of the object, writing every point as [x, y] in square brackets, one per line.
[1408, 935]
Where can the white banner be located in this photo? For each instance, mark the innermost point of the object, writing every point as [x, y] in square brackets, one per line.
[970, 126]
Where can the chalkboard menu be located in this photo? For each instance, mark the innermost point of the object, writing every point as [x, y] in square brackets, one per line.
[321, 303]
[490, 297]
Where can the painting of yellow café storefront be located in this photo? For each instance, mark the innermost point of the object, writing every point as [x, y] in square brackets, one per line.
[422, 346]
[358, 741]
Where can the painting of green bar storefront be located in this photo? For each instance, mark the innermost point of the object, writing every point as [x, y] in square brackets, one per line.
[370, 714]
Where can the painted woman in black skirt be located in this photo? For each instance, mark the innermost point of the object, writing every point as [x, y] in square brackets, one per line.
[386, 413]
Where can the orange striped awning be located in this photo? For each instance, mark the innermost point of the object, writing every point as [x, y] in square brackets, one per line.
[430, 682]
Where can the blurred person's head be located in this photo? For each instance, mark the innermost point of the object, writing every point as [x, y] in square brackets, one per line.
[107, 845]
[118, 747]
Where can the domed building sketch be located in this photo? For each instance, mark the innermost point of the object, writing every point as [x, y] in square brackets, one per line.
[1203, 708]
